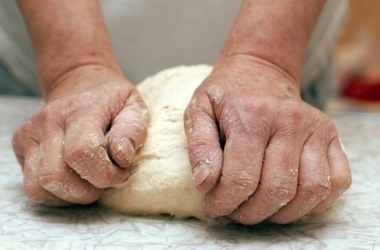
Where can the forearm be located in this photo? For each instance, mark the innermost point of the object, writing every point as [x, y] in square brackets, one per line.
[66, 36]
[274, 32]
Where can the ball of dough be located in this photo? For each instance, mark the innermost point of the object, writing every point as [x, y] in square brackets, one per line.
[160, 181]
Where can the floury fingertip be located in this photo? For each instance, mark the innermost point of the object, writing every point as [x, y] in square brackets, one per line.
[201, 172]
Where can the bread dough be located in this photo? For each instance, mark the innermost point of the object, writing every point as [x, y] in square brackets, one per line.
[161, 181]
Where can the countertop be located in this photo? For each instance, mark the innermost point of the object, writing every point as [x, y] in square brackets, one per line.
[352, 223]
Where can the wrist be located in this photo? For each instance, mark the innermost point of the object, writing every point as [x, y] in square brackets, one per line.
[273, 32]
[81, 79]
[242, 63]
[52, 65]
[66, 38]
[247, 58]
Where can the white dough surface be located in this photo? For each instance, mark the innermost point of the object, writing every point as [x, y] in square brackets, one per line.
[161, 181]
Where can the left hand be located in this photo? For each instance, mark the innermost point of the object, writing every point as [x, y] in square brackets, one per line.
[258, 150]
[63, 149]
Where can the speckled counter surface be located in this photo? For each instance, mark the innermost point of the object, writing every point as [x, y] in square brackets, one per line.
[353, 222]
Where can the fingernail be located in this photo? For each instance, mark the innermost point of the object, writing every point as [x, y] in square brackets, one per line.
[200, 173]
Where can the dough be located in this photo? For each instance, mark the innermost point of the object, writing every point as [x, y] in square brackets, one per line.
[161, 181]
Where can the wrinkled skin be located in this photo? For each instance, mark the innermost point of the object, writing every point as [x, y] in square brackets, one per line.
[258, 150]
[64, 153]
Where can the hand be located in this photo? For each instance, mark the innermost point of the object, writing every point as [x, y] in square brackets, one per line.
[258, 150]
[64, 153]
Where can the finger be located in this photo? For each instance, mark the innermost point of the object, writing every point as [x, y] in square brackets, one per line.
[128, 131]
[56, 177]
[205, 152]
[32, 188]
[313, 180]
[340, 175]
[18, 146]
[278, 182]
[84, 149]
[247, 138]
[21, 139]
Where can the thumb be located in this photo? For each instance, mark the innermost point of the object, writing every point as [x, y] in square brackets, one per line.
[128, 131]
[205, 152]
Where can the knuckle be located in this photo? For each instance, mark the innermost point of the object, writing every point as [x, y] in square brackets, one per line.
[343, 181]
[204, 150]
[215, 93]
[258, 107]
[47, 114]
[87, 161]
[330, 124]
[319, 189]
[242, 182]
[293, 112]
[136, 99]
[240, 115]
[197, 145]
[92, 163]
[73, 153]
[279, 192]
[199, 102]
[33, 193]
[137, 119]
[26, 131]
[50, 182]
[48, 176]
[197, 112]
[247, 104]
[76, 154]
[292, 119]
[323, 122]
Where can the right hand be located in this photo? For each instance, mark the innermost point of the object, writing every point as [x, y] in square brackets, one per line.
[258, 150]
[64, 153]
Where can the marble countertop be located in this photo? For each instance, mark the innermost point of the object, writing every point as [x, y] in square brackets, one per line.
[352, 223]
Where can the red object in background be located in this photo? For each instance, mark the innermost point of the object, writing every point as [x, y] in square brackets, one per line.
[362, 88]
